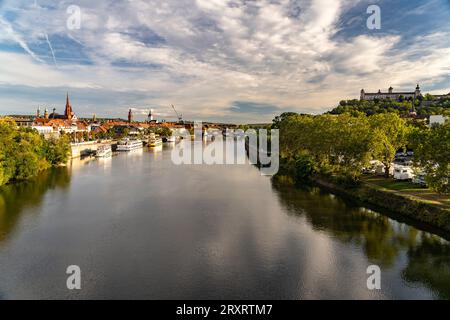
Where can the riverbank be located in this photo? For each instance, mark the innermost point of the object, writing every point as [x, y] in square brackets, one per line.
[228, 228]
[411, 207]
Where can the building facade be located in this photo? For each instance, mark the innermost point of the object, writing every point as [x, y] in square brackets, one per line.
[53, 124]
[390, 94]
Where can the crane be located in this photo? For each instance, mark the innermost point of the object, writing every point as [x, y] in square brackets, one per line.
[179, 116]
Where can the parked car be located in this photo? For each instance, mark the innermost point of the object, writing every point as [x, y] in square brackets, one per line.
[420, 180]
[400, 155]
[371, 169]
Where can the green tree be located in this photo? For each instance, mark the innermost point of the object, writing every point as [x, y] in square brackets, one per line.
[338, 145]
[390, 133]
[432, 153]
[26, 163]
[24, 153]
[126, 132]
[8, 132]
[57, 151]
[280, 119]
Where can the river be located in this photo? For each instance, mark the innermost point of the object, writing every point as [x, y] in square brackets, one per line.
[141, 227]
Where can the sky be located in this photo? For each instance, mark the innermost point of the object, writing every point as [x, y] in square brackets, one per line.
[235, 61]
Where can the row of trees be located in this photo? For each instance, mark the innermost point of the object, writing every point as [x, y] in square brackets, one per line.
[432, 153]
[24, 153]
[342, 145]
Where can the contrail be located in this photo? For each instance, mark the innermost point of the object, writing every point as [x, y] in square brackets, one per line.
[16, 37]
[51, 48]
[75, 39]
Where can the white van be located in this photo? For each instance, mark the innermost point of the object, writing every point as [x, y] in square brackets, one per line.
[403, 173]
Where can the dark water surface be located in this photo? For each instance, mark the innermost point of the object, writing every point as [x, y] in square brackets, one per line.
[141, 227]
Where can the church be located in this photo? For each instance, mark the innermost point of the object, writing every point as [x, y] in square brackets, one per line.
[68, 113]
[53, 124]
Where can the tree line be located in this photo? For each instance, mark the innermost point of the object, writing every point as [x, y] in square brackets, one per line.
[24, 152]
[341, 146]
[424, 106]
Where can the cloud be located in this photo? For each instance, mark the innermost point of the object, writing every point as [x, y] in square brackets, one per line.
[253, 107]
[207, 55]
[363, 55]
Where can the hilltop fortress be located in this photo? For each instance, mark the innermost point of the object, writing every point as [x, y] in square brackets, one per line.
[413, 95]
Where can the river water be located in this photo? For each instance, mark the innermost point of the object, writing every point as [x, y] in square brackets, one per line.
[141, 227]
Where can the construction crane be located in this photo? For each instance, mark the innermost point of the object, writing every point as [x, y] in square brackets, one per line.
[179, 116]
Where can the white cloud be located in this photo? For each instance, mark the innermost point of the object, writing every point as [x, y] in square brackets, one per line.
[285, 53]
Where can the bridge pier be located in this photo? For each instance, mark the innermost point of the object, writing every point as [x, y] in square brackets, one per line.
[83, 148]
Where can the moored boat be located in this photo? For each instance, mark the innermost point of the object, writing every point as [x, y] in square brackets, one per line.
[104, 151]
[129, 145]
[155, 142]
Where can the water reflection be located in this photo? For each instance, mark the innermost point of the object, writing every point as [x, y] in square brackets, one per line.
[16, 198]
[382, 239]
[429, 264]
[142, 227]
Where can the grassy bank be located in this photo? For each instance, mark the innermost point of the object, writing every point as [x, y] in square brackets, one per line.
[401, 198]
[408, 189]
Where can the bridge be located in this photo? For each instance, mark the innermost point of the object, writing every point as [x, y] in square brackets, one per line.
[82, 149]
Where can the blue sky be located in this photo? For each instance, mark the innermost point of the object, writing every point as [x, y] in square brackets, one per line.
[223, 60]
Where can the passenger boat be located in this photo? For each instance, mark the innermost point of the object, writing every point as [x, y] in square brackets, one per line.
[129, 145]
[155, 142]
[104, 151]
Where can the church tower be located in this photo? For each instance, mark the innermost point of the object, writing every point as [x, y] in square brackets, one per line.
[130, 116]
[38, 113]
[68, 114]
[417, 93]
[46, 113]
[363, 95]
[151, 116]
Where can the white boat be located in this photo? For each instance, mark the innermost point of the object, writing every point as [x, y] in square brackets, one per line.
[155, 142]
[129, 145]
[104, 151]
